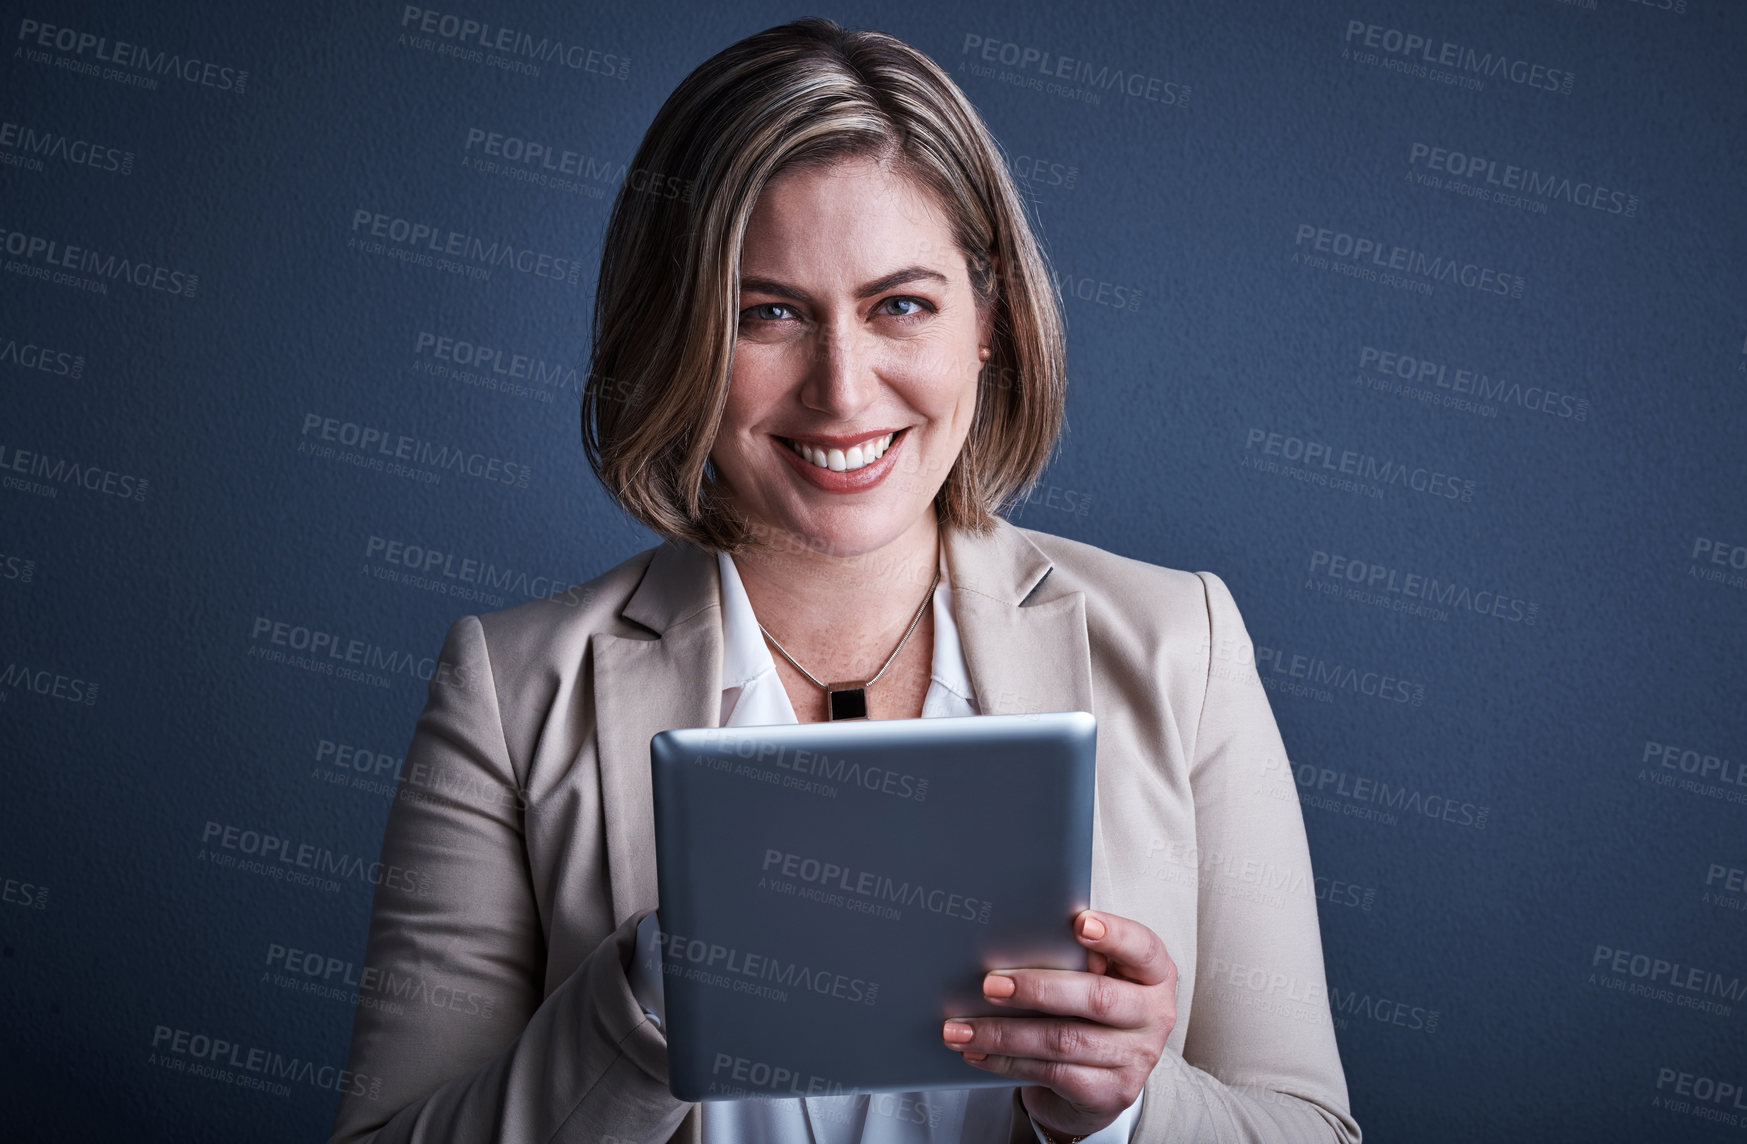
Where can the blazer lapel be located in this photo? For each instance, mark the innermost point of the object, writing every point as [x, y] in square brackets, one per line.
[1023, 657]
[643, 686]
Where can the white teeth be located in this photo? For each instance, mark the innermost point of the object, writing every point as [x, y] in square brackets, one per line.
[845, 460]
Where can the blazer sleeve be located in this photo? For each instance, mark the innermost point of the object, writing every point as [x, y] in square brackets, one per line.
[452, 1040]
[1259, 1060]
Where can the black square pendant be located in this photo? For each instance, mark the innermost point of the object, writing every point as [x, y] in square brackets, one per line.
[848, 701]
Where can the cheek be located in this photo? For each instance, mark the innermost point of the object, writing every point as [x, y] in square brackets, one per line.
[735, 430]
[754, 383]
[941, 356]
[937, 374]
[762, 374]
[950, 390]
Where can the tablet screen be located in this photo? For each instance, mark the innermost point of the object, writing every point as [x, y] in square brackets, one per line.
[832, 892]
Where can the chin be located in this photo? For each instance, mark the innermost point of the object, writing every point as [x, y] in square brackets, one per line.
[850, 542]
[853, 534]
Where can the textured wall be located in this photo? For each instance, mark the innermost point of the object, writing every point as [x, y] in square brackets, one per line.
[1423, 324]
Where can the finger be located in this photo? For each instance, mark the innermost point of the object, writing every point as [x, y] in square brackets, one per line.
[1133, 949]
[1092, 997]
[1042, 1038]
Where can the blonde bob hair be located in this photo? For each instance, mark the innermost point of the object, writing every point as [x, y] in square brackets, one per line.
[666, 307]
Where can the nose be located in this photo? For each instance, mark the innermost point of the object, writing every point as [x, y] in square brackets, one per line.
[840, 380]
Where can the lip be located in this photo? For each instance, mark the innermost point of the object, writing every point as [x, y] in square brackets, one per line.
[842, 442]
[831, 481]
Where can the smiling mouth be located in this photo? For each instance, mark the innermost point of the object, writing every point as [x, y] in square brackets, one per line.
[844, 460]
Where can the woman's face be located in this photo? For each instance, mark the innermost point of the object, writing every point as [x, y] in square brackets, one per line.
[857, 347]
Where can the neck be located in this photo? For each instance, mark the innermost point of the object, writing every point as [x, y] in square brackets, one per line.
[840, 612]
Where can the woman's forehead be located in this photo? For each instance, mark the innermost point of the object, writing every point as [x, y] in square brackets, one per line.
[858, 214]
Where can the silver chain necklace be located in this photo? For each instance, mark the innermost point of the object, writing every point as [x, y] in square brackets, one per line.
[847, 699]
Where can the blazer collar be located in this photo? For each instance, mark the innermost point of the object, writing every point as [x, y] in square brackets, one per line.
[680, 583]
[1024, 641]
[1023, 630]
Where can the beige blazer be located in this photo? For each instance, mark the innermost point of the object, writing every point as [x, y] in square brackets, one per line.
[495, 1003]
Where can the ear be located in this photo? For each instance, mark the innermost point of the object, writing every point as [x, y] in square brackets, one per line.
[986, 311]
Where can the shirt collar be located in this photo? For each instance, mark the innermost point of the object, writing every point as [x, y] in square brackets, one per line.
[746, 656]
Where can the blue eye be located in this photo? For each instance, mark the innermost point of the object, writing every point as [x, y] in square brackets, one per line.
[768, 312]
[917, 306]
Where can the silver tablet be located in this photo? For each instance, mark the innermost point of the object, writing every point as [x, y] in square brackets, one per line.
[832, 892]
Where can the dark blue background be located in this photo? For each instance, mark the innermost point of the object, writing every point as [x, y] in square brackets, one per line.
[114, 924]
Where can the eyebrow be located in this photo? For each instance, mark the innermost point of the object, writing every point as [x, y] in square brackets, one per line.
[879, 286]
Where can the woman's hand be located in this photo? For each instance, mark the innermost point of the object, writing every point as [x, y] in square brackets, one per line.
[1088, 1061]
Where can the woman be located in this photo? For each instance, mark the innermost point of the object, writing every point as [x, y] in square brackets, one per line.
[817, 373]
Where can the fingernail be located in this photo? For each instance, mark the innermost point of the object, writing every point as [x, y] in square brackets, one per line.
[999, 985]
[976, 1056]
[957, 1032]
[1091, 929]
